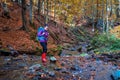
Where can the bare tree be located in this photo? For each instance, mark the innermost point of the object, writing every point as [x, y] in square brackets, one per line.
[24, 21]
[47, 11]
[31, 11]
[39, 8]
[118, 9]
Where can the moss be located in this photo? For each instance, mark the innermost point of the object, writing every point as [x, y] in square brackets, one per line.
[56, 51]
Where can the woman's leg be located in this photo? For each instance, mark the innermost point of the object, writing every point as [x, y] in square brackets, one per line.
[44, 46]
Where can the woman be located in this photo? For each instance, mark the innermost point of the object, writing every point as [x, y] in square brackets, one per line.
[43, 38]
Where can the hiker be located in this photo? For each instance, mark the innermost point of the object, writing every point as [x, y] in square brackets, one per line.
[42, 36]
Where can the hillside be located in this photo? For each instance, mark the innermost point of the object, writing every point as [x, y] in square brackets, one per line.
[10, 33]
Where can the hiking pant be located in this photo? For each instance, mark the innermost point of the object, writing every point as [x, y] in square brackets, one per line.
[44, 47]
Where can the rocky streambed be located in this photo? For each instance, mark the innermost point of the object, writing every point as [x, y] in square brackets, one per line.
[65, 67]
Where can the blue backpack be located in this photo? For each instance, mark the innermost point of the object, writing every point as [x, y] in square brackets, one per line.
[39, 29]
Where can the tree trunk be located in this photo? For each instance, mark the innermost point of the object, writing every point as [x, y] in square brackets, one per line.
[43, 6]
[107, 23]
[97, 9]
[31, 11]
[118, 10]
[54, 9]
[24, 21]
[43, 10]
[93, 16]
[47, 10]
[111, 8]
[103, 15]
[39, 8]
[19, 1]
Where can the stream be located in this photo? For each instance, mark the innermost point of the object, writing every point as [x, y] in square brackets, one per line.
[70, 65]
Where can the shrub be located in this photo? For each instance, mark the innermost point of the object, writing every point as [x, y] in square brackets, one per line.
[104, 42]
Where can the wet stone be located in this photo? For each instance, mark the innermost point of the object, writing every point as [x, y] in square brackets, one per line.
[36, 78]
[68, 68]
[35, 67]
[64, 71]
[21, 65]
[52, 74]
[72, 49]
[76, 68]
[116, 75]
[57, 69]
[7, 59]
[91, 52]
[53, 59]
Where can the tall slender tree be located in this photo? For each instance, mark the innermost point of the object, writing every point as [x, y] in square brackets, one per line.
[54, 9]
[47, 11]
[39, 8]
[24, 21]
[93, 25]
[103, 23]
[31, 11]
[107, 14]
[43, 7]
[118, 9]
[97, 8]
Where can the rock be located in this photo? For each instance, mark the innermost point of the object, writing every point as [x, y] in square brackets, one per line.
[100, 24]
[36, 78]
[84, 47]
[91, 52]
[35, 67]
[13, 52]
[52, 74]
[64, 70]
[58, 69]
[53, 59]
[39, 73]
[116, 75]
[76, 68]
[22, 65]
[7, 59]
[65, 53]
[72, 49]
[78, 48]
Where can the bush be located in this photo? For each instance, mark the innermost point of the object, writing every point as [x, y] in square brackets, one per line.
[104, 42]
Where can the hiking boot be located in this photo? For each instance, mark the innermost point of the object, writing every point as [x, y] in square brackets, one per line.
[44, 57]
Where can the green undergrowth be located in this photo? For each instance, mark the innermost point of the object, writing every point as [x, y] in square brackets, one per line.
[55, 51]
[105, 43]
